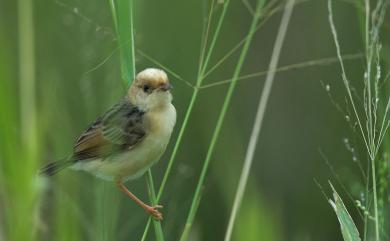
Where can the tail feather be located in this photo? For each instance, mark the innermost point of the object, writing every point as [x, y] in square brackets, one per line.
[52, 168]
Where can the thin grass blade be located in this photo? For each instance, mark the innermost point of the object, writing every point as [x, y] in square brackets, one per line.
[217, 130]
[259, 118]
[152, 197]
[190, 108]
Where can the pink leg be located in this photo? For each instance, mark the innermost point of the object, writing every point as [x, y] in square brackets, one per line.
[152, 210]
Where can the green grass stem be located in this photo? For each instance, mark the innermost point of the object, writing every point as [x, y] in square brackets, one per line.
[217, 130]
[259, 118]
[194, 96]
[372, 22]
[22, 179]
[114, 15]
[152, 197]
[344, 76]
[122, 12]
[125, 32]
[309, 63]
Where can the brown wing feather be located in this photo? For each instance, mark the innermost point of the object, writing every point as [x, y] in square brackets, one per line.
[117, 130]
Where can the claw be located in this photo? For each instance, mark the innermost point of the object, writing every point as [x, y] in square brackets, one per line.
[155, 213]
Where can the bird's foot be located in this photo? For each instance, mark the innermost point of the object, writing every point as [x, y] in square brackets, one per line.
[153, 211]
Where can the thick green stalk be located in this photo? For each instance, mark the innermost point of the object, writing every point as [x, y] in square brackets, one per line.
[27, 75]
[123, 21]
[217, 130]
[125, 32]
[22, 177]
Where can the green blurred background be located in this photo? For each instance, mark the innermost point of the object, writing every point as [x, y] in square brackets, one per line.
[282, 201]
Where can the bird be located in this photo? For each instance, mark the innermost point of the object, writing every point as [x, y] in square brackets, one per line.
[131, 136]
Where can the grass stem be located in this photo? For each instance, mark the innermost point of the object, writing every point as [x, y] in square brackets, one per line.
[315, 62]
[370, 114]
[123, 21]
[370, 92]
[152, 197]
[259, 118]
[126, 39]
[194, 96]
[217, 130]
[22, 178]
[376, 217]
[27, 74]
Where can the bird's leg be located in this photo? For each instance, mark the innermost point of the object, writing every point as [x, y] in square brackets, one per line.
[152, 210]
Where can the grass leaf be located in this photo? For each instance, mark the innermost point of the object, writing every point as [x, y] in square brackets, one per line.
[125, 32]
[348, 227]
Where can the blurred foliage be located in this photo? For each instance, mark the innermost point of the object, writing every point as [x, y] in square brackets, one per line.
[78, 76]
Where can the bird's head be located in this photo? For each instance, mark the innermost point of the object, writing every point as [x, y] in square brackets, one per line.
[150, 89]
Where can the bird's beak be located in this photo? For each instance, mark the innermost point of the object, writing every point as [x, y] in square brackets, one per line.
[166, 87]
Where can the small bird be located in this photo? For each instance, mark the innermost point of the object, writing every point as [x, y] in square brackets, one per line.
[129, 138]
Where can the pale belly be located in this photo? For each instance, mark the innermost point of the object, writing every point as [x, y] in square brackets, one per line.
[136, 161]
[128, 165]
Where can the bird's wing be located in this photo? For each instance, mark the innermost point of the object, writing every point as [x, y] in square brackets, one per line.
[119, 129]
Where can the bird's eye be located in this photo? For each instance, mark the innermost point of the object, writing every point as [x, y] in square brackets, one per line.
[146, 88]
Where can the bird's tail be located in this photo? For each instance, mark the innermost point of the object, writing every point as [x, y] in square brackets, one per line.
[52, 168]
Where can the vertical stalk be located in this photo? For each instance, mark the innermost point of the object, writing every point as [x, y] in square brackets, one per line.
[113, 12]
[369, 140]
[125, 32]
[124, 25]
[377, 238]
[217, 130]
[23, 175]
[188, 113]
[152, 197]
[371, 130]
[27, 75]
[259, 117]
[194, 96]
